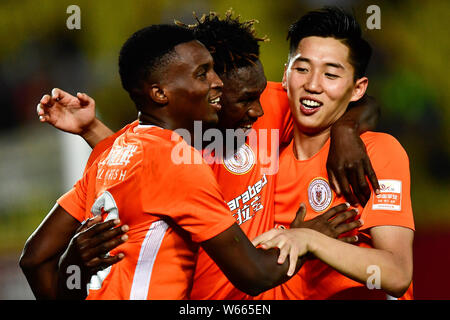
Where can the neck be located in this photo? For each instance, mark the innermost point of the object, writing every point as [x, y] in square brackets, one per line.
[148, 118]
[307, 145]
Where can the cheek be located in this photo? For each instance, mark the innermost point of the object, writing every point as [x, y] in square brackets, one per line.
[292, 84]
[338, 90]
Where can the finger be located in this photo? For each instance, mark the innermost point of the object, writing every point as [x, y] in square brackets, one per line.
[334, 183]
[327, 215]
[102, 237]
[103, 248]
[46, 100]
[345, 188]
[353, 179]
[89, 223]
[343, 216]
[299, 216]
[42, 115]
[284, 252]
[276, 242]
[40, 110]
[58, 94]
[98, 264]
[351, 239]
[84, 98]
[293, 259]
[264, 237]
[346, 227]
[356, 184]
[100, 227]
[372, 176]
[362, 182]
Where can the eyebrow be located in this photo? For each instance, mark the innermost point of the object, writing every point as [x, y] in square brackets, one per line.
[329, 64]
[204, 66]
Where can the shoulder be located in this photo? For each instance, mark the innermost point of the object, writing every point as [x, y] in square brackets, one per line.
[171, 153]
[381, 142]
[274, 91]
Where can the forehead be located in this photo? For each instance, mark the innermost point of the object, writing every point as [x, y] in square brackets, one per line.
[322, 50]
[245, 79]
[191, 54]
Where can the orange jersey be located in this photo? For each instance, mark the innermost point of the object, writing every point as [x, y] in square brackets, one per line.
[307, 181]
[169, 208]
[247, 181]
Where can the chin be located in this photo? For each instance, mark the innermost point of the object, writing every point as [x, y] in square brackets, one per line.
[211, 121]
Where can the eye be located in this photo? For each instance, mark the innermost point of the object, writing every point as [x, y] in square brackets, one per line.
[301, 70]
[201, 74]
[331, 76]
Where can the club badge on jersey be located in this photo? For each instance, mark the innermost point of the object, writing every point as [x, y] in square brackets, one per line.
[320, 195]
[241, 162]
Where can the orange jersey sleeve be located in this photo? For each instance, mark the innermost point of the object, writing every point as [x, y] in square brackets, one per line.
[391, 164]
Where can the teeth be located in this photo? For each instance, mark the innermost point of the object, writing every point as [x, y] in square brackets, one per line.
[214, 101]
[310, 103]
[247, 127]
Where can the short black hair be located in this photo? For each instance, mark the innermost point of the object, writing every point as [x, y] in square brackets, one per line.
[232, 43]
[336, 23]
[146, 52]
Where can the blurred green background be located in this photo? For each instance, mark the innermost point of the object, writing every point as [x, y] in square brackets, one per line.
[408, 75]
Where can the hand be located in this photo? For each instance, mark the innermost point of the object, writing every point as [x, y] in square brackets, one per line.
[348, 165]
[66, 112]
[88, 247]
[291, 242]
[331, 223]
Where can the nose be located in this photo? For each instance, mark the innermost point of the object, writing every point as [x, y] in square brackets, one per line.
[255, 111]
[216, 82]
[312, 84]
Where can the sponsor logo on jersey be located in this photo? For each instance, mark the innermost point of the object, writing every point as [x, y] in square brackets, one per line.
[241, 162]
[390, 197]
[250, 202]
[319, 194]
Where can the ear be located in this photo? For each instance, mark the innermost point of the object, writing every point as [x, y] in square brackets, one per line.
[360, 88]
[158, 94]
[284, 81]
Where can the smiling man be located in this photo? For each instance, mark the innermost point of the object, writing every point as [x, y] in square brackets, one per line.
[247, 190]
[325, 71]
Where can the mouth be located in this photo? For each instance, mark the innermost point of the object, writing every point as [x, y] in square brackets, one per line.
[309, 105]
[215, 103]
[246, 127]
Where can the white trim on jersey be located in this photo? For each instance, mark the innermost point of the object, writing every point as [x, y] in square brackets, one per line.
[147, 256]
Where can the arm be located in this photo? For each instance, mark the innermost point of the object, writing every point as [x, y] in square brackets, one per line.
[88, 251]
[392, 254]
[251, 270]
[348, 163]
[41, 260]
[73, 115]
[333, 222]
[40, 256]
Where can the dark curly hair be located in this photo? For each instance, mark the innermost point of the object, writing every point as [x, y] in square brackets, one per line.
[232, 43]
